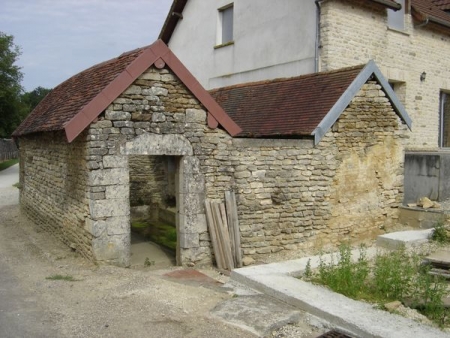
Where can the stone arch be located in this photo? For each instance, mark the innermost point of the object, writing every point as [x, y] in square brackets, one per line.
[191, 217]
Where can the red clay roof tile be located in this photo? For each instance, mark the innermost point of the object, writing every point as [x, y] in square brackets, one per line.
[434, 10]
[284, 107]
[75, 103]
[68, 98]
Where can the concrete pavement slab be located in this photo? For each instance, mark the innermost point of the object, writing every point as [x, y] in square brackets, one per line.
[353, 317]
[410, 238]
[9, 176]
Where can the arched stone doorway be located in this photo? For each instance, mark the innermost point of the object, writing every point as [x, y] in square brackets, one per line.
[190, 191]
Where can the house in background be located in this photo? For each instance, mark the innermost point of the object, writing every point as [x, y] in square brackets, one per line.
[314, 159]
[231, 42]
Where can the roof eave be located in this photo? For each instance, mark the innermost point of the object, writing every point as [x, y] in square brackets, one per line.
[425, 18]
[174, 15]
[389, 4]
[332, 116]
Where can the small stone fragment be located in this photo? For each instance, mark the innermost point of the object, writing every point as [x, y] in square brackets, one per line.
[248, 261]
[392, 306]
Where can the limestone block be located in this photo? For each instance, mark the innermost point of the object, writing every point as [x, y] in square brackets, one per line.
[118, 225]
[127, 131]
[117, 115]
[191, 183]
[101, 124]
[159, 91]
[95, 228]
[193, 223]
[121, 124]
[154, 144]
[191, 204]
[133, 90]
[122, 100]
[108, 176]
[114, 161]
[189, 240]
[117, 191]
[109, 208]
[158, 117]
[150, 76]
[195, 116]
[112, 249]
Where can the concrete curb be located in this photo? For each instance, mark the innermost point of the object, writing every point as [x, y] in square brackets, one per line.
[353, 317]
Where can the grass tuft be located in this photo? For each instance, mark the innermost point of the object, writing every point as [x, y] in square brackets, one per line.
[6, 164]
[66, 278]
[397, 275]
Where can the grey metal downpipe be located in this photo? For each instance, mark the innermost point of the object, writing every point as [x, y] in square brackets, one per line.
[317, 46]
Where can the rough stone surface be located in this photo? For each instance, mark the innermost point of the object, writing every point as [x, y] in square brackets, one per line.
[290, 195]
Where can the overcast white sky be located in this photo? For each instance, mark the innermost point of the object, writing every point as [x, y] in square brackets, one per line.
[60, 38]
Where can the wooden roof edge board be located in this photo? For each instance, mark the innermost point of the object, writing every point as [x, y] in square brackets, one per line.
[158, 50]
[172, 18]
[338, 108]
[389, 4]
[99, 103]
[201, 94]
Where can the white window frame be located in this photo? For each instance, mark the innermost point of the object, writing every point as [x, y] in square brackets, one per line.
[225, 33]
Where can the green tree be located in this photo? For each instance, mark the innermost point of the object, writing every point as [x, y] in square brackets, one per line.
[10, 88]
[31, 99]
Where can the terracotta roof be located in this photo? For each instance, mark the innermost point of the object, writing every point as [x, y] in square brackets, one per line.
[176, 13]
[442, 4]
[77, 102]
[307, 105]
[431, 10]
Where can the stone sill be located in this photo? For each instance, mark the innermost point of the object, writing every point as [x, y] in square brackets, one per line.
[224, 45]
[403, 32]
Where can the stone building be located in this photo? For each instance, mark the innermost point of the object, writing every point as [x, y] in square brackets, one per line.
[313, 159]
[243, 41]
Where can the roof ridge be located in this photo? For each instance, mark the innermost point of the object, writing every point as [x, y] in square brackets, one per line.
[286, 79]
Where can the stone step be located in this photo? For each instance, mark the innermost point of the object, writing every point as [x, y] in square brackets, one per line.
[440, 272]
[410, 238]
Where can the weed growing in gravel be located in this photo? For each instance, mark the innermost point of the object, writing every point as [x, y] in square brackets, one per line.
[397, 275]
[345, 276]
[440, 234]
[66, 278]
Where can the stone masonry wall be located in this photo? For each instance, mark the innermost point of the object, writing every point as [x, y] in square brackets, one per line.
[291, 194]
[53, 187]
[367, 188]
[156, 116]
[353, 33]
[147, 180]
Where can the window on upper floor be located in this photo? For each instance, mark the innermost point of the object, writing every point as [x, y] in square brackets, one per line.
[396, 19]
[444, 114]
[225, 25]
